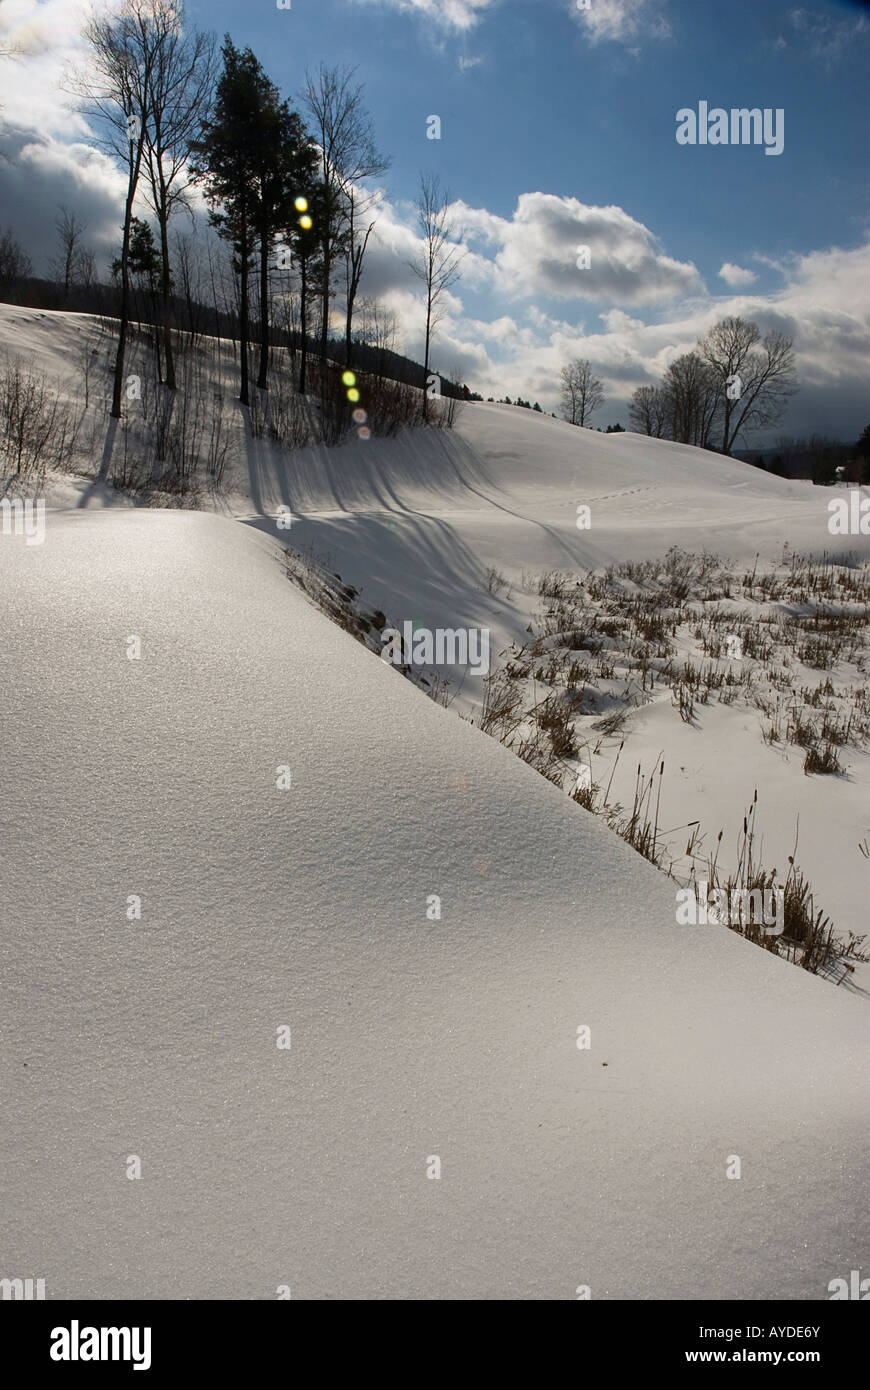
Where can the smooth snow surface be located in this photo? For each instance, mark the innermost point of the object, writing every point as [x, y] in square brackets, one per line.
[411, 1037]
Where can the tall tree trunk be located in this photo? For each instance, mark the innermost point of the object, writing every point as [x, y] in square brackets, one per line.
[350, 271]
[324, 326]
[303, 324]
[426, 356]
[155, 324]
[244, 394]
[726, 443]
[166, 301]
[262, 376]
[348, 327]
[118, 383]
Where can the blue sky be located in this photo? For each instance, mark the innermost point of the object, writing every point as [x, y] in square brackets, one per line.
[548, 107]
[557, 130]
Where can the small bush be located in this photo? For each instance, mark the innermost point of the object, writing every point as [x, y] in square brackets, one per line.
[36, 430]
[495, 581]
[822, 758]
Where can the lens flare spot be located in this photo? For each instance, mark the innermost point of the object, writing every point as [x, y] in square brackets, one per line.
[348, 378]
[301, 204]
[359, 417]
[353, 395]
[306, 223]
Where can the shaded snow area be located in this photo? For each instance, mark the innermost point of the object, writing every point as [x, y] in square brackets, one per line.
[310, 907]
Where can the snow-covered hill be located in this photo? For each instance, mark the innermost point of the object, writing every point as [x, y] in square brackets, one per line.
[311, 908]
[416, 524]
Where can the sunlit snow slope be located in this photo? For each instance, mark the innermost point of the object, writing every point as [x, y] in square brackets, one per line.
[412, 1037]
[504, 487]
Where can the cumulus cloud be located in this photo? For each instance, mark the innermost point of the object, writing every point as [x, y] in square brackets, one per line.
[736, 275]
[44, 157]
[47, 38]
[540, 251]
[622, 21]
[618, 321]
[37, 176]
[824, 305]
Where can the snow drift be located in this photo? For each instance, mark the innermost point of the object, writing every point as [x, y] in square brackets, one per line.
[412, 1037]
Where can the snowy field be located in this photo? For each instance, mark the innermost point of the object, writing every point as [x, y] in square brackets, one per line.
[416, 522]
[152, 784]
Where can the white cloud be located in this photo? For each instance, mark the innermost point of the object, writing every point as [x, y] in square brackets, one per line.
[48, 39]
[539, 252]
[623, 20]
[44, 155]
[459, 15]
[824, 305]
[736, 275]
[618, 321]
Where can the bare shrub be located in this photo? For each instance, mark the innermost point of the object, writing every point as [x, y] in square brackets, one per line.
[822, 758]
[501, 714]
[37, 430]
[495, 581]
[281, 414]
[553, 715]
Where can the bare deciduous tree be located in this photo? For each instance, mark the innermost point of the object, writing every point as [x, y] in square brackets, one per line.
[86, 267]
[691, 398]
[646, 411]
[437, 262]
[358, 209]
[183, 75]
[343, 130]
[582, 391]
[67, 264]
[115, 92]
[14, 262]
[765, 368]
[378, 330]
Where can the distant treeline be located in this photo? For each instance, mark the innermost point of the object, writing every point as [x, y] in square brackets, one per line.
[825, 461]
